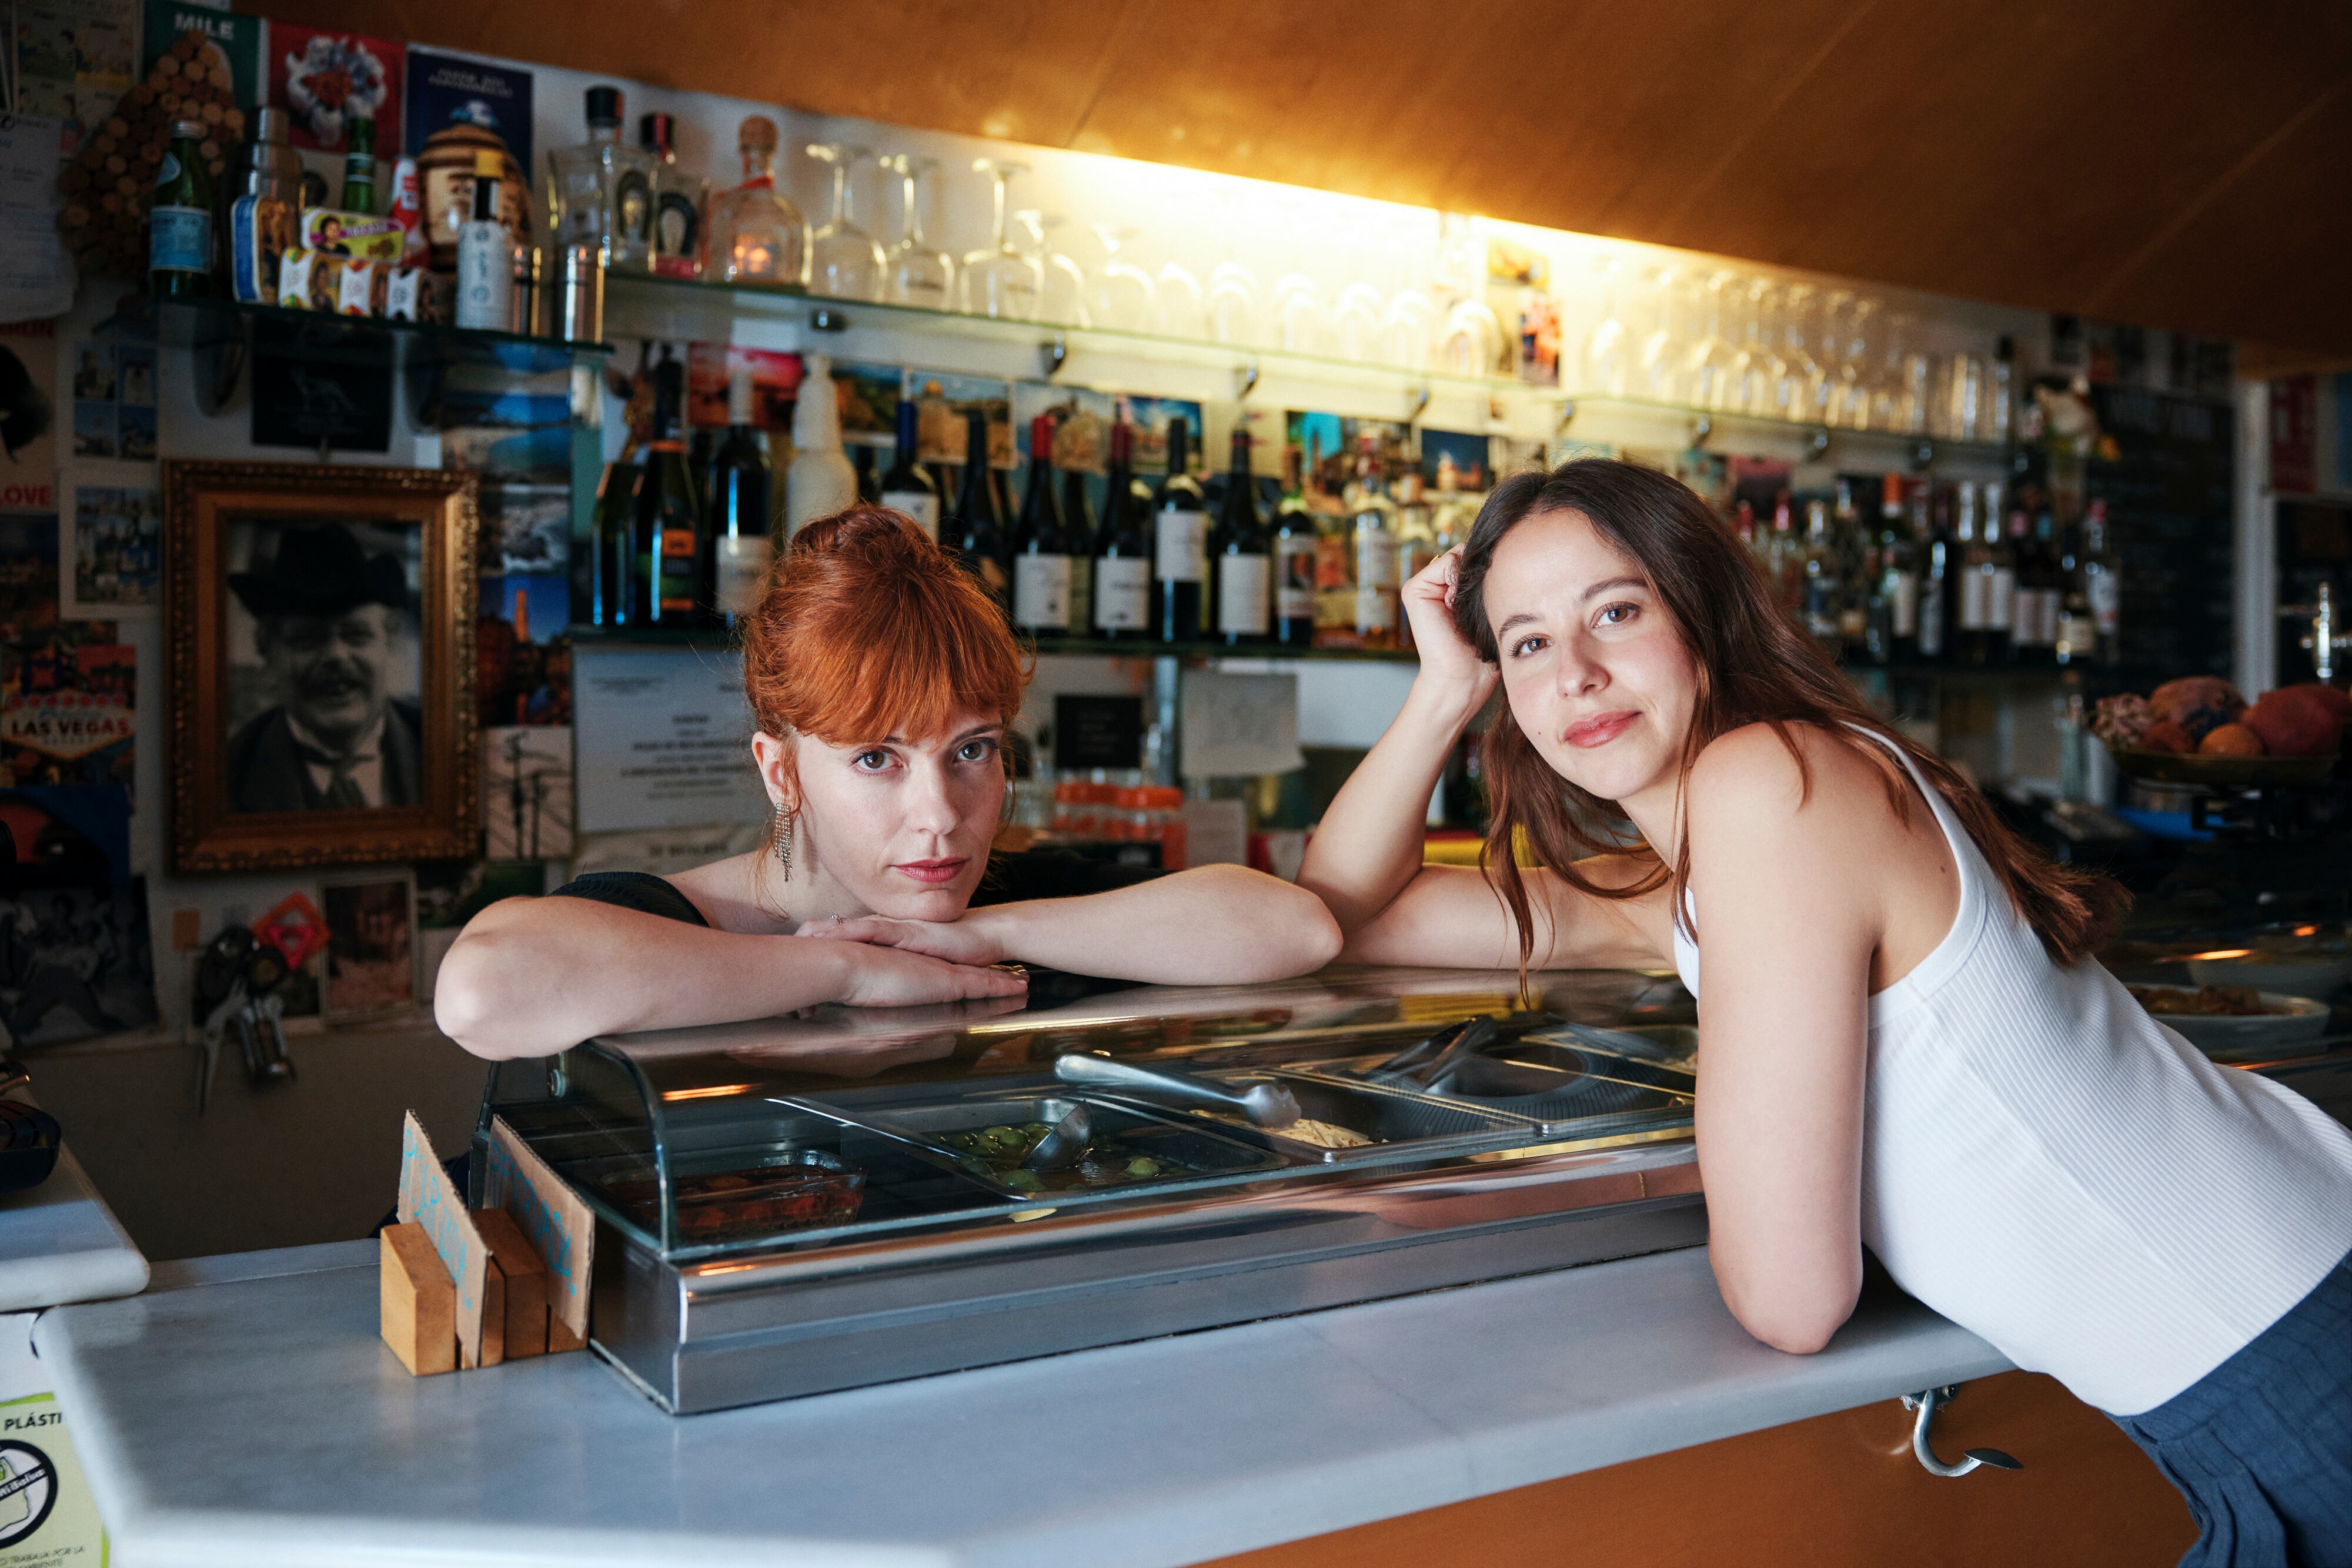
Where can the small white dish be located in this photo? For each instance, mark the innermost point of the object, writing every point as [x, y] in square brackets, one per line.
[2293, 1027]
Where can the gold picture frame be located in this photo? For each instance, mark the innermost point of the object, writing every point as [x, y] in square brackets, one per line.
[320, 635]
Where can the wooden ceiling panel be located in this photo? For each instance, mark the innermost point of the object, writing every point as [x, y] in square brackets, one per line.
[2168, 161]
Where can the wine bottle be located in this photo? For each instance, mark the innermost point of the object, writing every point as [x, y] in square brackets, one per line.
[1180, 560]
[1939, 572]
[1078, 534]
[1122, 559]
[1294, 561]
[359, 164]
[906, 487]
[973, 533]
[1242, 555]
[1378, 600]
[869, 491]
[611, 564]
[741, 479]
[1041, 546]
[668, 537]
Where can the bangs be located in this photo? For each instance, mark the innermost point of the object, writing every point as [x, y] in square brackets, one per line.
[908, 657]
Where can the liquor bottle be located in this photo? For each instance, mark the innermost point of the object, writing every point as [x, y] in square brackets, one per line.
[2030, 634]
[677, 201]
[2000, 585]
[1374, 527]
[742, 519]
[756, 235]
[668, 535]
[601, 192]
[612, 560]
[869, 484]
[1938, 574]
[1078, 529]
[1122, 564]
[1817, 568]
[906, 487]
[1293, 559]
[1784, 557]
[1243, 554]
[2000, 393]
[1857, 564]
[1335, 557]
[2102, 578]
[359, 164]
[180, 232]
[973, 534]
[1976, 565]
[820, 481]
[1042, 567]
[1898, 577]
[2075, 637]
[1416, 527]
[485, 255]
[1180, 548]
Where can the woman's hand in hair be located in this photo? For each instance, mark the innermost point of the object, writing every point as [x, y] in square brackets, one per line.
[1445, 656]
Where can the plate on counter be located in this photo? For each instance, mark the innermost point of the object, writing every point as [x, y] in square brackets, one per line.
[2287, 1026]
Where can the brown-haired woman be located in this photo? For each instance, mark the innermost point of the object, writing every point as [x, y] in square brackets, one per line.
[882, 679]
[1905, 1043]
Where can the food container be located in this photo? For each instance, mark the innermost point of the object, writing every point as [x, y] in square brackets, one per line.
[446, 167]
[1130, 1147]
[413, 294]
[362, 236]
[261, 231]
[579, 308]
[358, 290]
[1388, 1119]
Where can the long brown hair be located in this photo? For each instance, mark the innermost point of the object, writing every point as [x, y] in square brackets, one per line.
[1754, 666]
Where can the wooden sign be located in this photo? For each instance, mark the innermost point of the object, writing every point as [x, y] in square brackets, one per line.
[554, 1221]
[428, 1199]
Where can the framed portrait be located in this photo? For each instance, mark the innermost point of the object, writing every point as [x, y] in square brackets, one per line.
[321, 633]
[371, 946]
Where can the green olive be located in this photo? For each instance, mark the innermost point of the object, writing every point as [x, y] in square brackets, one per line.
[1023, 1181]
[1142, 1166]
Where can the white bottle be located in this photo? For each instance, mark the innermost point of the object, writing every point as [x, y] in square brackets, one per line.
[485, 256]
[820, 481]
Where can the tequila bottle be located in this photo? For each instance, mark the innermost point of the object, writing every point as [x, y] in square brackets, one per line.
[679, 199]
[757, 236]
[601, 191]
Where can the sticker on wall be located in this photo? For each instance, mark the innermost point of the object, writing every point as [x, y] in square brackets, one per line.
[711, 370]
[942, 401]
[28, 418]
[522, 653]
[73, 59]
[1081, 424]
[116, 552]
[79, 962]
[526, 528]
[371, 946]
[68, 711]
[450, 89]
[325, 79]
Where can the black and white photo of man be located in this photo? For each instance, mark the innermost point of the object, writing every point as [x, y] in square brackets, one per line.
[324, 669]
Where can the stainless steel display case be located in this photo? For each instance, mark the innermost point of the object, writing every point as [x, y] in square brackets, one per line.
[800, 1205]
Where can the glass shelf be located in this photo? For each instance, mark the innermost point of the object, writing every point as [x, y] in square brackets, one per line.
[1722, 428]
[185, 322]
[714, 637]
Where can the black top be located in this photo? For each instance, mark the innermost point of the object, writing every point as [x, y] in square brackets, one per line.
[1009, 879]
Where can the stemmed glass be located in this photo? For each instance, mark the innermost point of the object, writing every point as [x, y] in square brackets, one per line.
[1608, 353]
[999, 280]
[1409, 319]
[1062, 297]
[917, 275]
[1756, 367]
[1707, 377]
[1301, 324]
[1658, 373]
[1124, 294]
[1801, 390]
[1180, 310]
[843, 260]
[1230, 307]
[1356, 321]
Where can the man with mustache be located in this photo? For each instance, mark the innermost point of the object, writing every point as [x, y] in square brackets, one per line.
[327, 618]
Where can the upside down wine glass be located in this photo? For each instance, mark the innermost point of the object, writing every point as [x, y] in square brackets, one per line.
[916, 273]
[843, 260]
[999, 280]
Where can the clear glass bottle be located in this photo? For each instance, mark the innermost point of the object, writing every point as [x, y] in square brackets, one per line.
[180, 240]
[756, 234]
[844, 262]
[678, 201]
[601, 192]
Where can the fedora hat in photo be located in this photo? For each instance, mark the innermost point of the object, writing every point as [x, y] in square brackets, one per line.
[321, 569]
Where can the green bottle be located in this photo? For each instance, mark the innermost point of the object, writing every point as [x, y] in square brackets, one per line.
[180, 221]
[358, 166]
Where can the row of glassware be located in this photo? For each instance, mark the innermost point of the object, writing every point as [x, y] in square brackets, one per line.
[1682, 332]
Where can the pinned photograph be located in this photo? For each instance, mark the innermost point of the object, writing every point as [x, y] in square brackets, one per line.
[118, 551]
[321, 632]
[371, 947]
[527, 792]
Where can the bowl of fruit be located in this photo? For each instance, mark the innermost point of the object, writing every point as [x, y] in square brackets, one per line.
[2199, 730]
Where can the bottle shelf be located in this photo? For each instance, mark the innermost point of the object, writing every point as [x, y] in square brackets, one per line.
[205, 322]
[1112, 359]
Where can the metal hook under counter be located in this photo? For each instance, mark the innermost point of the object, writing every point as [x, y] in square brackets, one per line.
[1926, 1401]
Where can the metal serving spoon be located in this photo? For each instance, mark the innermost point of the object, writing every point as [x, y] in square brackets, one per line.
[1269, 1105]
[1064, 1146]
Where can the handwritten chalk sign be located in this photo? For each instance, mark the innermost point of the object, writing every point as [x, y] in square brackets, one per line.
[552, 1217]
[429, 1198]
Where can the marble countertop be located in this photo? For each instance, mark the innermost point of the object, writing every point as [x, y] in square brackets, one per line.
[60, 1242]
[244, 1413]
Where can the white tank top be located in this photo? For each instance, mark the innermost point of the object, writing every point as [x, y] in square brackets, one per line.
[2052, 1169]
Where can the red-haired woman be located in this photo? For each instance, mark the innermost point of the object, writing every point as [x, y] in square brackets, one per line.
[882, 679]
[1904, 1041]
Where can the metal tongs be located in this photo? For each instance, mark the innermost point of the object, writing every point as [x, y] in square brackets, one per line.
[1420, 1066]
[1263, 1104]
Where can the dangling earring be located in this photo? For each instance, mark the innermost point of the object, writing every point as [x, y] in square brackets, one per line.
[784, 837]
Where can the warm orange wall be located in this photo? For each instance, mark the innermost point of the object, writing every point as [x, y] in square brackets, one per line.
[2174, 165]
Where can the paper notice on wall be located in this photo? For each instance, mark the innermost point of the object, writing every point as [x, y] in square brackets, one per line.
[48, 1519]
[553, 1218]
[663, 740]
[36, 276]
[1240, 726]
[429, 1198]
